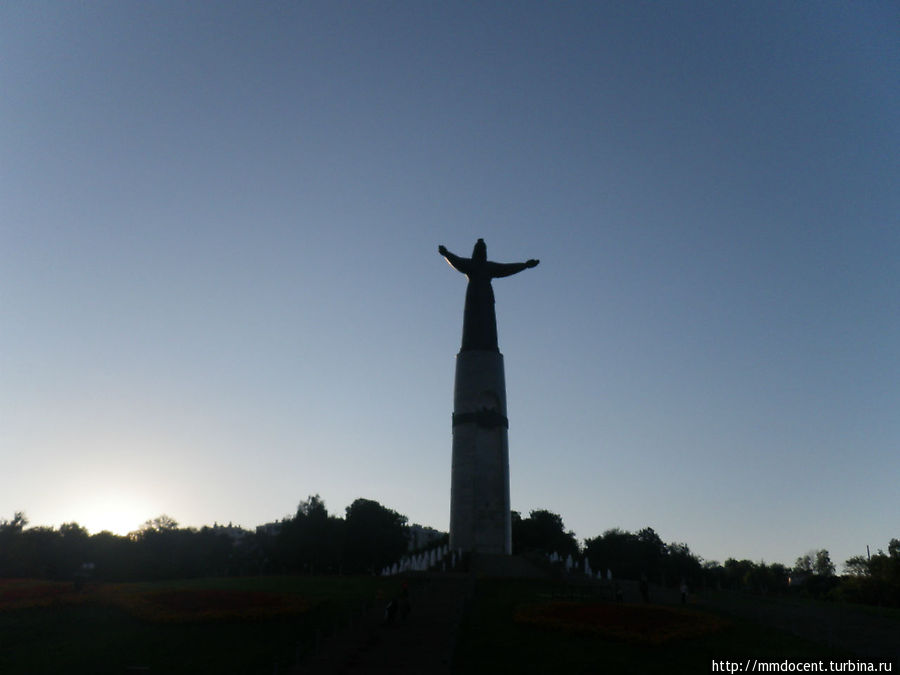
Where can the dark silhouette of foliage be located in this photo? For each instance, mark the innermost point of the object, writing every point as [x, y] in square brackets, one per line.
[746, 575]
[542, 532]
[311, 541]
[823, 565]
[371, 537]
[159, 550]
[813, 574]
[15, 525]
[314, 542]
[874, 580]
[815, 562]
[374, 536]
[631, 555]
[680, 564]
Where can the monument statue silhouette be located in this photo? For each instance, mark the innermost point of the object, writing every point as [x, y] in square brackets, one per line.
[479, 484]
[479, 318]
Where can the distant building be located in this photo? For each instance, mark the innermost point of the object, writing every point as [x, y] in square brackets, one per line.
[796, 579]
[235, 533]
[420, 537]
[270, 529]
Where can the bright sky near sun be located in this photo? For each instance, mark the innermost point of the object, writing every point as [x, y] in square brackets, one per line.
[220, 290]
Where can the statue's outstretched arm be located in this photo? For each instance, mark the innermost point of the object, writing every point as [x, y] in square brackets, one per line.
[459, 264]
[508, 269]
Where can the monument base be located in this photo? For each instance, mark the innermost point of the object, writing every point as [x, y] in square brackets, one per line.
[505, 567]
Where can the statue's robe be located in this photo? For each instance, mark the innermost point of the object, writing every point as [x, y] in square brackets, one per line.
[479, 319]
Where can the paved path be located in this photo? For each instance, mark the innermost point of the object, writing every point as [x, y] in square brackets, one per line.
[421, 644]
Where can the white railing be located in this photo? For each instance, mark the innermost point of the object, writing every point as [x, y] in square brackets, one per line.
[437, 558]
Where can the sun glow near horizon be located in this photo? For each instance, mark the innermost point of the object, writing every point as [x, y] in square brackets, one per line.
[119, 512]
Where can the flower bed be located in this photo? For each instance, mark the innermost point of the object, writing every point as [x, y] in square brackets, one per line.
[159, 604]
[640, 624]
[19, 593]
[209, 605]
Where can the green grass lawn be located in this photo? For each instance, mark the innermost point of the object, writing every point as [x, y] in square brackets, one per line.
[93, 637]
[491, 641]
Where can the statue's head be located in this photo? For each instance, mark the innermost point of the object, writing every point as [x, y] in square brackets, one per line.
[480, 250]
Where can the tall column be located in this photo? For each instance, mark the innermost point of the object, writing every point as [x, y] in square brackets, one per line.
[479, 490]
[479, 487]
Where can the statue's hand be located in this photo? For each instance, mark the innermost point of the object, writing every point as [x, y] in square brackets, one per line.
[532, 263]
[442, 249]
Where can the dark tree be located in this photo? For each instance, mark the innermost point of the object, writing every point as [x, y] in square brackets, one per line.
[114, 556]
[680, 564]
[874, 580]
[746, 575]
[542, 532]
[652, 553]
[631, 556]
[614, 550]
[10, 545]
[374, 536]
[823, 565]
[311, 541]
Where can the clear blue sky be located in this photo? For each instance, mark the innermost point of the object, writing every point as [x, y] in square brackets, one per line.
[220, 290]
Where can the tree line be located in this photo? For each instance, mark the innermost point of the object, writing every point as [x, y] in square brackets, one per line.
[625, 555]
[370, 537]
[367, 538]
[633, 555]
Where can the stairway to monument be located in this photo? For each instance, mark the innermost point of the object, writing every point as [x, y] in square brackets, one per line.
[422, 643]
